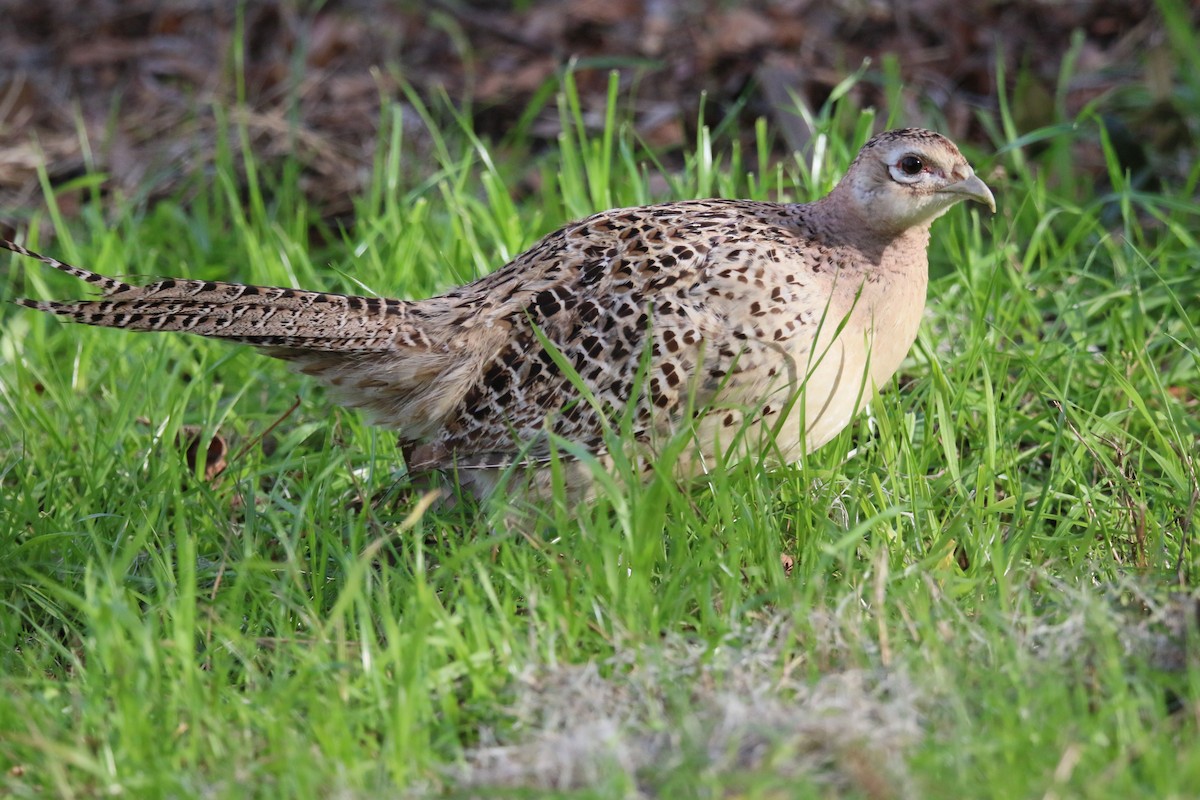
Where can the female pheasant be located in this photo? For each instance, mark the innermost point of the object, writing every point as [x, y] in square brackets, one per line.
[750, 324]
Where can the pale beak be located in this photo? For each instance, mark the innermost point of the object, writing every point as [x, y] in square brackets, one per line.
[972, 189]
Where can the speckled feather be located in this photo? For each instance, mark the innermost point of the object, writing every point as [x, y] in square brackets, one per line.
[706, 313]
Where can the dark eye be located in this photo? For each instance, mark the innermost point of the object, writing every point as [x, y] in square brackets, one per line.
[911, 165]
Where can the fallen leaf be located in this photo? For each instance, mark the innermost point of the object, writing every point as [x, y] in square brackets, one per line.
[189, 438]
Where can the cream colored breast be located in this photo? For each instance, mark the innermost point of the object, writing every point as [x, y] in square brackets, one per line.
[845, 369]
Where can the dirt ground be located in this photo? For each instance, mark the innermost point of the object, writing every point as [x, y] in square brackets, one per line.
[132, 88]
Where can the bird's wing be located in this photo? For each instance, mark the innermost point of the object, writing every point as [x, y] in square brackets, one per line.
[649, 313]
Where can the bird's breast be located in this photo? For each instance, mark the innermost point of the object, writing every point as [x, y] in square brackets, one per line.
[859, 341]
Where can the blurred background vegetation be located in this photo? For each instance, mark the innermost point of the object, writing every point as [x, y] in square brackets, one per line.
[142, 91]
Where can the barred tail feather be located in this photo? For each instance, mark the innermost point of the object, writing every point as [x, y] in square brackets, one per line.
[268, 317]
[107, 285]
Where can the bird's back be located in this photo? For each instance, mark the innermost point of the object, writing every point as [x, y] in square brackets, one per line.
[657, 312]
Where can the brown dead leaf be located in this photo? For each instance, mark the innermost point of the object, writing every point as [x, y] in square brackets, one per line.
[189, 439]
[520, 79]
[602, 12]
[737, 31]
[1181, 393]
[332, 37]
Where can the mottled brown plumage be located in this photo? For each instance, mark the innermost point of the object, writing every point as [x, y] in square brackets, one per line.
[734, 317]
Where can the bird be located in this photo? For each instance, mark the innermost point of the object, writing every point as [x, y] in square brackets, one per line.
[769, 324]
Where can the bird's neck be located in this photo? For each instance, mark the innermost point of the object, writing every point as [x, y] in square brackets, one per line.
[908, 250]
[839, 222]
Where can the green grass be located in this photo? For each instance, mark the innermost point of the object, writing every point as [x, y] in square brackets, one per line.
[992, 568]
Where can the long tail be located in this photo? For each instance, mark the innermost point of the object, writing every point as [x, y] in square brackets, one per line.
[277, 319]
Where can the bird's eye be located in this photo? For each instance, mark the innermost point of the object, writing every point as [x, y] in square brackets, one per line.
[911, 165]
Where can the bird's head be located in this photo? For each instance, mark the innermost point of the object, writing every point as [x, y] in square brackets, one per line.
[907, 178]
